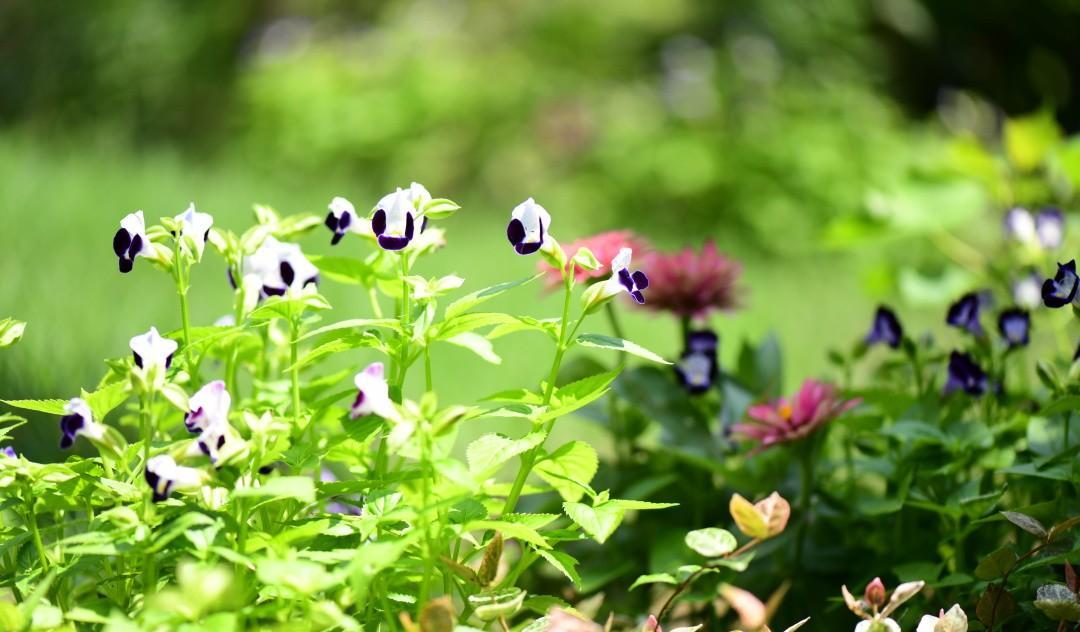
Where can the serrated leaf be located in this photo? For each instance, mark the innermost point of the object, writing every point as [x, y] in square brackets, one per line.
[510, 530]
[490, 451]
[711, 542]
[576, 461]
[598, 522]
[48, 406]
[600, 341]
[562, 562]
[354, 323]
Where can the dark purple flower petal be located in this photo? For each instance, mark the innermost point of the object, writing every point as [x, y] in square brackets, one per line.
[886, 328]
[1061, 290]
[964, 314]
[1015, 326]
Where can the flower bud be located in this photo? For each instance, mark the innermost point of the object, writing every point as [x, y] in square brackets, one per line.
[875, 593]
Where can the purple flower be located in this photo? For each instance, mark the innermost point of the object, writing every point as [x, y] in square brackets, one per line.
[79, 420]
[9, 452]
[164, 476]
[340, 219]
[1061, 290]
[886, 328]
[633, 282]
[964, 314]
[1050, 227]
[396, 214]
[697, 368]
[1015, 326]
[1027, 290]
[528, 227]
[966, 375]
[130, 241]
[372, 394]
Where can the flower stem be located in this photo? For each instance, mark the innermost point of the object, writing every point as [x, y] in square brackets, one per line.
[294, 370]
[146, 403]
[31, 521]
[529, 458]
[614, 418]
[807, 463]
[406, 316]
[180, 276]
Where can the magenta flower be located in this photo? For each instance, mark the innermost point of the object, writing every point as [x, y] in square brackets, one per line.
[691, 284]
[605, 246]
[785, 419]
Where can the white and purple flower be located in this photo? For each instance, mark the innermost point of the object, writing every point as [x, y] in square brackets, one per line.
[164, 476]
[528, 227]
[195, 226]
[395, 216]
[1044, 230]
[698, 368]
[341, 219]
[966, 375]
[964, 314]
[886, 328]
[277, 268]
[1014, 324]
[152, 350]
[1061, 290]
[633, 282]
[1027, 290]
[9, 452]
[373, 394]
[131, 241]
[79, 420]
[209, 407]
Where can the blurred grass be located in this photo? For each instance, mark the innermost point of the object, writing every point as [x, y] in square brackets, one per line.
[62, 201]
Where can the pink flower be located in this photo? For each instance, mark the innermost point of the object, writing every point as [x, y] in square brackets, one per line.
[792, 419]
[605, 246]
[691, 284]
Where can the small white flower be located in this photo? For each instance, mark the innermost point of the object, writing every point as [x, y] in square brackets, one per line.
[341, 219]
[373, 394]
[1020, 225]
[528, 227]
[277, 268]
[1027, 291]
[394, 220]
[622, 279]
[164, 476]
[79, 420]
[884, 624]
[1050, 228]
[195, 227]
[955, 620]
[130, 241]
[209, 407]
[151, 350]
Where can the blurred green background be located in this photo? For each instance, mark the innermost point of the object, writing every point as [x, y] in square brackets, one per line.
[776, 128]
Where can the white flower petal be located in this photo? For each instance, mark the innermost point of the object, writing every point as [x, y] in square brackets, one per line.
[373, 397]
[534, 219]
[153, 350]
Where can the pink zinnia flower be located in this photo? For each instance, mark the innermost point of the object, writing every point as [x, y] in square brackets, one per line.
[792, 419]
[605, 246]
[691, 284]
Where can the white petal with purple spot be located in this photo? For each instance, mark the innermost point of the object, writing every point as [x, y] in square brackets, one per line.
[151, 349]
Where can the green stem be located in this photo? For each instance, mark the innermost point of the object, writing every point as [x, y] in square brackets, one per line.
[31, 521]
[807, 463]
[614, 418]
[425, 499]
[529, 458]
[180, 276]
[146, 422]
[294, 373]
[427, 370]
[406, 317]
[374, 298]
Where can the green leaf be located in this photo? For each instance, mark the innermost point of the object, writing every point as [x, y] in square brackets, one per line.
[1029, 139]
[490, 451]
[579, 394]
[1026, 522]
[299, 488]
[510, 530]
[107, 398]
[1064, 404]
[468, 322]
[470, 301]
[711, 542]
[476, 343]
[299, 576]
[48, 406]
[576, 461]
[654, 578]
[600, 341]
[440, 208]
[345, 343]
[11, 331]
[354, 323]
[562, 562]
[598, 522]
[996, 564]
[344, 269]
[495, 604]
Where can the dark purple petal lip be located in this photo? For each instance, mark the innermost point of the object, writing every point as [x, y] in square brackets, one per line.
[378, 222]
[1015, 326]
[138, 359]
[964, 314]
[886, 328]
[1061, 290]
[387, 242]
[966, 375]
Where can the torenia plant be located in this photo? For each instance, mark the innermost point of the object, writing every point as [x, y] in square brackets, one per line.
[280, 474]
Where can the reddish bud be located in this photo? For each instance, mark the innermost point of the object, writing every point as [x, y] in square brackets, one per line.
[875, 593]
[1071, 579]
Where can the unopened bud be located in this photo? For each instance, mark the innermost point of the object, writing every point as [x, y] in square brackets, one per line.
[875, 593]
